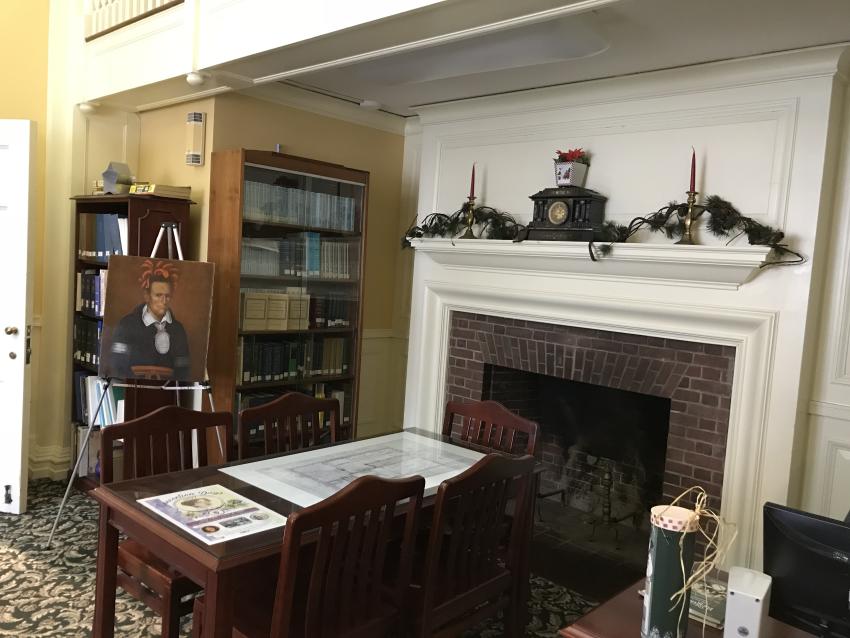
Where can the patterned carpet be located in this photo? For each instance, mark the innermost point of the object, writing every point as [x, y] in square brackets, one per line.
[50, 592]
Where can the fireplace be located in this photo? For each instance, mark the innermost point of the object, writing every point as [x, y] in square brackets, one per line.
[682, 390]
[604, 449]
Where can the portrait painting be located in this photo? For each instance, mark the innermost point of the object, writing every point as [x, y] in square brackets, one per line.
[156, 319]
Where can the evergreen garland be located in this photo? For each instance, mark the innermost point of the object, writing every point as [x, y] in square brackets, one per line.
[724, 220]
[494, 225]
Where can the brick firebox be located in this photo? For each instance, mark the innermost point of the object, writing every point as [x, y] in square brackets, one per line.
[696, 377]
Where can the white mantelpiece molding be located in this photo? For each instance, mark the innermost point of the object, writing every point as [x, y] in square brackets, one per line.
[710, 266]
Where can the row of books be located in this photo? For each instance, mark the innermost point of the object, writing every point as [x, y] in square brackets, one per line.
[108, 237]
[91, 291]
[90, 463]
[86, 340]
[301, 255]
[275, 310]
[90, 391]
[263, 360]
[280, 204]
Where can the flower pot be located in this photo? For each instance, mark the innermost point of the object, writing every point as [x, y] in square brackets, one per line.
[570, 173]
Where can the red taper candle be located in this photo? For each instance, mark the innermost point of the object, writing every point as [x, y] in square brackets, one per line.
[693, 170]
[472, 184]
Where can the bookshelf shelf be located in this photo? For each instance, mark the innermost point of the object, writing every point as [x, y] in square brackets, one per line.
[259, 228]
[286, 236]
[140, 218]
[92, 263]
[265, 385]
[305, 331]
[298, 280]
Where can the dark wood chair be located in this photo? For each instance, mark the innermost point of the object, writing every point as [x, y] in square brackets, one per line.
[473, 563]
[335, 576]
[157, 443]
[290, 422]
[491, 425]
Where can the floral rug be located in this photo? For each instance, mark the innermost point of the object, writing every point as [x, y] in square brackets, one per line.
[50, 591]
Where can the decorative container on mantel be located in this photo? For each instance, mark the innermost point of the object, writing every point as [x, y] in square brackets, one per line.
[570, 173]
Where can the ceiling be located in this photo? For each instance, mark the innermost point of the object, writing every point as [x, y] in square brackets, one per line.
[460, 49]
[623, 37]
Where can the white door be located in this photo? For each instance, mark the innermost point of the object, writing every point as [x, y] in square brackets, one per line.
[17, 144]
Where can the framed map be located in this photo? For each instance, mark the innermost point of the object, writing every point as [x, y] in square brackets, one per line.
[309, 477]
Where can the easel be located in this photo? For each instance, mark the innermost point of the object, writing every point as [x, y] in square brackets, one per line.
[169, 231]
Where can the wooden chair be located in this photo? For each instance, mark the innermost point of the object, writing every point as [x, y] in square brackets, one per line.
[473, 563]
[491, 425]
[157, 443]
[335, 577]
[290, 422]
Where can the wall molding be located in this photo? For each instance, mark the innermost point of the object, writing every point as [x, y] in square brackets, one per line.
[782, 113]
[49, 461]
[722, 267]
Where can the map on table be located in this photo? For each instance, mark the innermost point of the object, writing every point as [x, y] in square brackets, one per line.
[308, 477]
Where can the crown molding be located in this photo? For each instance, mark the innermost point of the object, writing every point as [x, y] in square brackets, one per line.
[288, 95]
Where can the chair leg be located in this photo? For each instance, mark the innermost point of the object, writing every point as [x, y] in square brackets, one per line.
[197, 618]
[171, 615]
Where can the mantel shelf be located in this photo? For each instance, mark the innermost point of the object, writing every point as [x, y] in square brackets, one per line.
[707, 266]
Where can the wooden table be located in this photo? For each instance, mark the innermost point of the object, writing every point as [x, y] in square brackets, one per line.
[214, 567]
[620, 618]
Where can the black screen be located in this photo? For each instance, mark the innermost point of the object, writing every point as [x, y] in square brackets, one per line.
[808, 558]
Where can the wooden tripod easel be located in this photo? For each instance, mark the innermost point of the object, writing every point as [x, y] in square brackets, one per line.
[169, 231]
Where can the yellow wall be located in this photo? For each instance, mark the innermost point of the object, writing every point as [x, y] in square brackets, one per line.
[23, 78]
[250, 123]
[161, 159]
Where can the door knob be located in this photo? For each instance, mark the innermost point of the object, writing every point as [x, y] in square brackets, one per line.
[11, 330]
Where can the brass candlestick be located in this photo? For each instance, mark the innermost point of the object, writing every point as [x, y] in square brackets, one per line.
[688, 218]
[468, 209]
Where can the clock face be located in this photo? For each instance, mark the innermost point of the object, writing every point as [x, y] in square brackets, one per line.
[557, 213]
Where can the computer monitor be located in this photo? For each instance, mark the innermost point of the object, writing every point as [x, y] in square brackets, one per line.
[808, 557]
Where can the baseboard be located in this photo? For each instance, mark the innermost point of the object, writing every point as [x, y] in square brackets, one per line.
[49, 461]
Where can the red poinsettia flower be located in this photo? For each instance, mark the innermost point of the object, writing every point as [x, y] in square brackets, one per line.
[572, 155]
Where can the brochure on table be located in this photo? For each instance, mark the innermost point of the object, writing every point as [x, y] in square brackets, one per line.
[214, 513]
[308, 477]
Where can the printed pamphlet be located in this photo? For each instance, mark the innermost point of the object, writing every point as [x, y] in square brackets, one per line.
[214, 513]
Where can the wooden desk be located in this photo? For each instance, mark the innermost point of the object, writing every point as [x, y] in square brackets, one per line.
[620, 618]
[214, 567]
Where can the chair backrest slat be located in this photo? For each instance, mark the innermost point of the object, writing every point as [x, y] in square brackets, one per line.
[491, 425]
[347, 581]
[291, 422]
[473, 538]
[161, 441]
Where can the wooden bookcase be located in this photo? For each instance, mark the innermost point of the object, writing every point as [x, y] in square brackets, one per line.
[292, 229]
[144, 216]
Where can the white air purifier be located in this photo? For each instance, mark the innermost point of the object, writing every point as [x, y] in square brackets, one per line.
[747, 603]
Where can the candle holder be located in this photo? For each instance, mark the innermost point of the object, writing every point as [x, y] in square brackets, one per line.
[468, 211]
[688, 216]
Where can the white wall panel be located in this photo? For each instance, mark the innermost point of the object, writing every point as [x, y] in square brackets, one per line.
[827, 489]
[156, 48]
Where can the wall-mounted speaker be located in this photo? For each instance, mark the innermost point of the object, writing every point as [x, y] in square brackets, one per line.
[195, 131]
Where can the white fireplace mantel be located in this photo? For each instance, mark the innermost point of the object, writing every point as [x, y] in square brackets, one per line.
[724, 267]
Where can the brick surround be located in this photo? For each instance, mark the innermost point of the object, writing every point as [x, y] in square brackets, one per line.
[696, 377]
